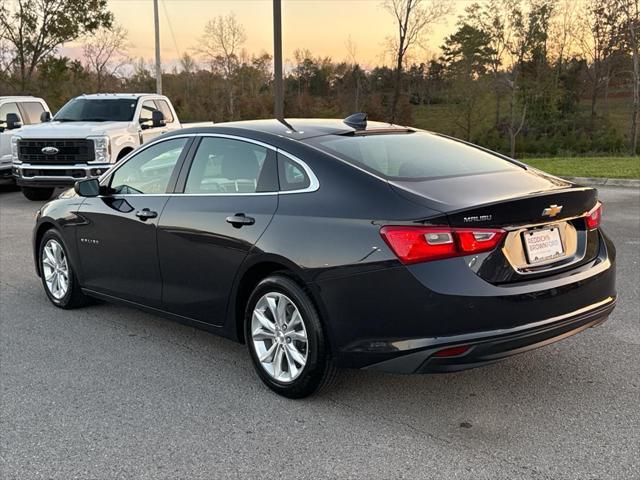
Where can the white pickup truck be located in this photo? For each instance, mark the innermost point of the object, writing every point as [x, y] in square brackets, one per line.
[87, 136]
[16, 112]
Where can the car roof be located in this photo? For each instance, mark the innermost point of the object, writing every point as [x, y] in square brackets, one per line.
[297, 128]
[20, 98]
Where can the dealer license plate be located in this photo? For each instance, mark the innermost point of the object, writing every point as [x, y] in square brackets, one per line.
[543, 244]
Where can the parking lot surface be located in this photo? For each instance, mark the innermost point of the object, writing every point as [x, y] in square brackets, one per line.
[109, 392]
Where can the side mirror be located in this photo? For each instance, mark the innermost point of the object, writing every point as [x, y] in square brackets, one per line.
[157, 119]
[13, 121]
[87, 188]
[45, 117]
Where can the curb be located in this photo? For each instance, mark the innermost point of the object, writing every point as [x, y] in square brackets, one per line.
[608, 182]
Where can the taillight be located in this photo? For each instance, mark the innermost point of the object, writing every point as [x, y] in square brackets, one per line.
[594, 216]
[422, 244]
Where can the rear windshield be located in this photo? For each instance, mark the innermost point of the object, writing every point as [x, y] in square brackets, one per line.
[97, 110]
[411, 156]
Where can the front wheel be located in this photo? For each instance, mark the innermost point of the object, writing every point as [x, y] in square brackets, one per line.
[286, 339]
[37, 194]
[58, 278]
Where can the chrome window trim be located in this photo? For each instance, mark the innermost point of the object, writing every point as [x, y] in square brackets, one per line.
[314, 183]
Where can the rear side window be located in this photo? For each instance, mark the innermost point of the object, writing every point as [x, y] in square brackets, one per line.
[291, 175]
[33, 110]
[226, 166]
[411, 156]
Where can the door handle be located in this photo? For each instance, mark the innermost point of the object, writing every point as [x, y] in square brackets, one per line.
[240, 219]
[146, 214]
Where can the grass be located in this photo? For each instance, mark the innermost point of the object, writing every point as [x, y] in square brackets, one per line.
[604, 167]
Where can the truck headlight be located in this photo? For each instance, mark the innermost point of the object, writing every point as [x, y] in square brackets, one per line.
[102, 149]
[14, 149]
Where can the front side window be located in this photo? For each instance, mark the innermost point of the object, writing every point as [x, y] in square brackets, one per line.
[227, 166]
[97, 110]
[33, 110]
[412, 156]
[7, 108]
[165, 109]
[148, 107]
[150, 170]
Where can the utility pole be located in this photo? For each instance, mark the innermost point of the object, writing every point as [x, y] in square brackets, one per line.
[278, 87]
[156, 20]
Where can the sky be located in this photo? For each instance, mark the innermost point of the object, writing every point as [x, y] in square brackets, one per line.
[321, 26]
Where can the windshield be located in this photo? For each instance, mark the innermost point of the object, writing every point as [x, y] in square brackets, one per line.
[411, 156]
[97, 110]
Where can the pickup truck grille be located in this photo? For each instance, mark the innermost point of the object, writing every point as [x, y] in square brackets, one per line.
[69, 151]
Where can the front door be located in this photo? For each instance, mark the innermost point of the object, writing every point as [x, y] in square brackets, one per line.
[204, 234]
[117, 241]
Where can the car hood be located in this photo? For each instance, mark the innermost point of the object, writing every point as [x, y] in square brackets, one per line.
[71, 129]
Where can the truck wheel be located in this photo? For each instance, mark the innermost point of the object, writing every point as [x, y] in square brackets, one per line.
[37, 194]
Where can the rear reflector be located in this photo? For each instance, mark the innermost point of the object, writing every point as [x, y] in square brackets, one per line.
[422, 244]
[594, 216]
[453, 351]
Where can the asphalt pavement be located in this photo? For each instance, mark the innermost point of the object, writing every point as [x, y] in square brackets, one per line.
[108, 392]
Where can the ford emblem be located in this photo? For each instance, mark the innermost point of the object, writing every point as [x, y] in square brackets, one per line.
[49, 150]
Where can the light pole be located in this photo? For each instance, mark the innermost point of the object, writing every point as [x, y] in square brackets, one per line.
[156, 20]
[278, 87]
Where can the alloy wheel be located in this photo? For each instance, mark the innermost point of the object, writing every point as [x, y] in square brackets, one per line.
[279, 337]
[55, 269]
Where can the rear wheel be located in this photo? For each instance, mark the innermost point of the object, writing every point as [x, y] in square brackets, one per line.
[58, 278]
[286, 339]
[37, 194]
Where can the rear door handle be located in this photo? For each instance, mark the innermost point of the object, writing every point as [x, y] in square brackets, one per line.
[240, 219]
[146, 214]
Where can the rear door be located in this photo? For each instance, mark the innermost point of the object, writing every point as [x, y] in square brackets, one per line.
[117, 242]
[229, 197]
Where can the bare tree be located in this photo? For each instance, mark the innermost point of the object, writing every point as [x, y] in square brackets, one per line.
[631, 18]
[105, 53]
[220, 44]
[414, 19]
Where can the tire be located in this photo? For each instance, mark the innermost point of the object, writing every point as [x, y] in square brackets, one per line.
[37, 194]
[52, 253]
[267, 335]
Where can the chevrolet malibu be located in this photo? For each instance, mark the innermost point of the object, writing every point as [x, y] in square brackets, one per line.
[324, 244]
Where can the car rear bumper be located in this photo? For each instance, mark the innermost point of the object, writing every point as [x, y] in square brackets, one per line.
[29, 175]
[488, 347]
[396, 319]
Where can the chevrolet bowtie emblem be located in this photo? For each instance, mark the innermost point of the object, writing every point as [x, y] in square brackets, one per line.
[552, 211]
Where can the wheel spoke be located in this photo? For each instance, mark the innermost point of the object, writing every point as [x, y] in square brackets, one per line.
[48, 252]
[293, 369]
[49, 275]
[273, 308]
[295, 354]
[277, 363]
[261, 334]
[264, 321]
[295, 320]
[281, 310]
[268, 355]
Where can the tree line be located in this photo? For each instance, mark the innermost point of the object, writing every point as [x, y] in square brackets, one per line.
[534, 77]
